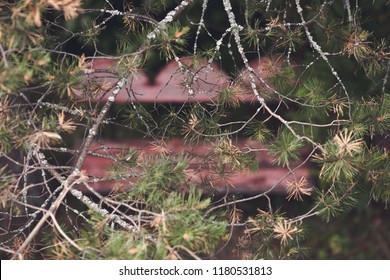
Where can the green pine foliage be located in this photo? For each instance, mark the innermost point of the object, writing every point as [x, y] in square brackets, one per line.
[285, 147]
[302, 86]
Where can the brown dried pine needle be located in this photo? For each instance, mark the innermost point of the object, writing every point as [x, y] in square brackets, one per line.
[296, 189]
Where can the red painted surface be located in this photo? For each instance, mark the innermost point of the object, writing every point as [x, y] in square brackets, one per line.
[267, 176]
[169, 87]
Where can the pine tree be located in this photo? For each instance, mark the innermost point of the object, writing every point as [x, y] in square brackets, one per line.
[314, 73]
